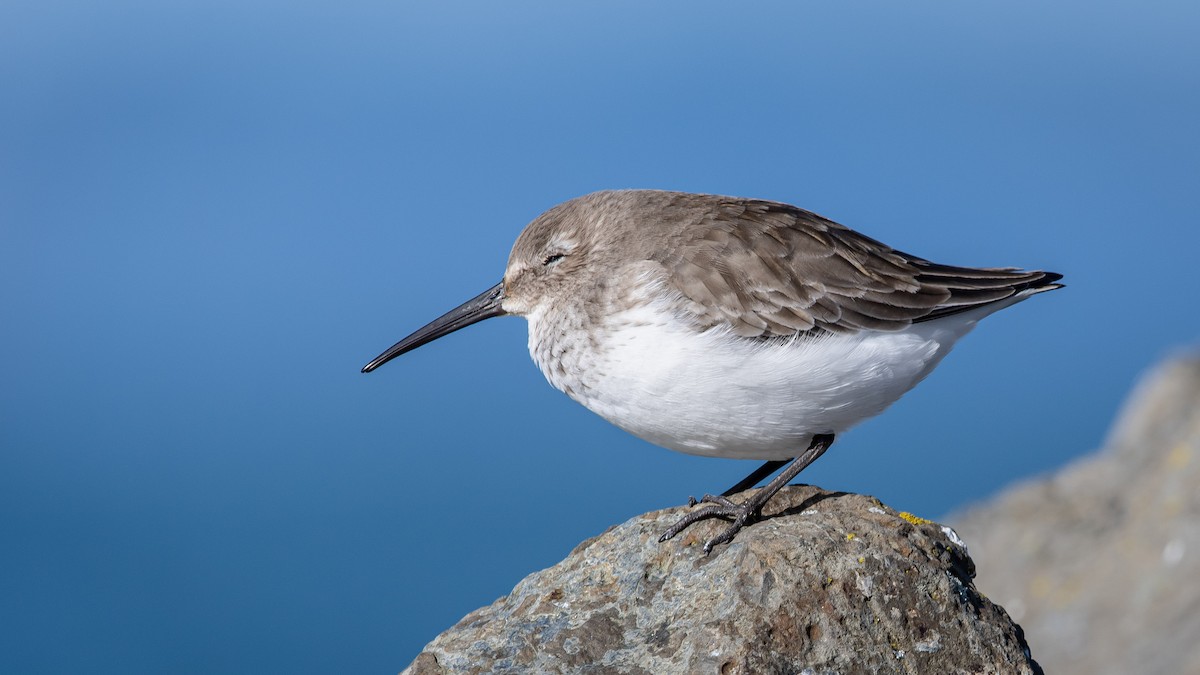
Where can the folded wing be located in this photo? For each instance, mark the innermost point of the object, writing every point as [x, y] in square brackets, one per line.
[768, 269]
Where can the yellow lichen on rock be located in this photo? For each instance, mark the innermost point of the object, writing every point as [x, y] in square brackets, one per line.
[915, 520]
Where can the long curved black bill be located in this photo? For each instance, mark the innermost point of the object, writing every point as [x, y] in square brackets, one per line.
[483, 306]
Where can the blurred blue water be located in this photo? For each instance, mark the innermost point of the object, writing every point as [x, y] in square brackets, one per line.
[212, 214]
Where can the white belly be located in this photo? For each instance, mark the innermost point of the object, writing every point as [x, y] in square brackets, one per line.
[718, 395]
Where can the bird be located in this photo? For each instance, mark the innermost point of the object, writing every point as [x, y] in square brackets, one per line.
[727, 326]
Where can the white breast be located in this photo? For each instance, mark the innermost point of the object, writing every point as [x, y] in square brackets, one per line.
[712, 393]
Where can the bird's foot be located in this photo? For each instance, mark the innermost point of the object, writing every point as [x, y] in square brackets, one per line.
[749, 510]
[717, 506]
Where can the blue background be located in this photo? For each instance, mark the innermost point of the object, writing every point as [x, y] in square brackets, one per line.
[212, 214]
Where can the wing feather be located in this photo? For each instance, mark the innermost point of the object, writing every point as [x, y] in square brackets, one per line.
[766, 269]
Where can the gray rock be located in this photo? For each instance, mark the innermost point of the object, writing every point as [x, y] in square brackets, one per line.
[827, 583]
[1101, 562]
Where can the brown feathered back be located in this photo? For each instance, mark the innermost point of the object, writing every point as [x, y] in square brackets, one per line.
[770, 269]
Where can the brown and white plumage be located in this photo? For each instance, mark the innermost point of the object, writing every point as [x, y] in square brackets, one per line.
[729, 327]
[768, 269]
[735, 327]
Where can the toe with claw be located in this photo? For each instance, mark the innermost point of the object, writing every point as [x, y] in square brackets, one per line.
[720, 506]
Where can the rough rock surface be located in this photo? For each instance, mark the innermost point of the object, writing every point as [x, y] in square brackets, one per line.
[1101, 562]
[827, 583]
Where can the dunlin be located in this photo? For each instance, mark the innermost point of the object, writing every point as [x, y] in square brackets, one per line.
[729, 327]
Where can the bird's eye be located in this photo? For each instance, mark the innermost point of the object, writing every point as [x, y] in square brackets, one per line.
[553, 258]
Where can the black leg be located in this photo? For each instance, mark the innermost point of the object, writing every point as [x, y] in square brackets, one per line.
[760, 473]
[741, 514]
